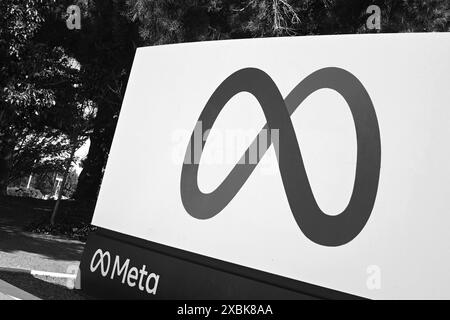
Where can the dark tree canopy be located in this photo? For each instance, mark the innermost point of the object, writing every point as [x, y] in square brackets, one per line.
[68, 85]
[41, 101]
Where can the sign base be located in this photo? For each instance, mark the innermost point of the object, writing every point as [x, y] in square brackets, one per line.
[118, 266]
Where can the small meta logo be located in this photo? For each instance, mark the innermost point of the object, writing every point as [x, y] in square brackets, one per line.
[319, 227]
[133, 277]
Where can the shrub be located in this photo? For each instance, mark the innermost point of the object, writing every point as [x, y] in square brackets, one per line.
[24, 192]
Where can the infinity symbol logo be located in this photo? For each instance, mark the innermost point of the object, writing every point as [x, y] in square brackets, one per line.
[319, 227]
[103, 257]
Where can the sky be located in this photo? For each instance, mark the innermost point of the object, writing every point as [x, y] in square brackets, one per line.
[81, 153]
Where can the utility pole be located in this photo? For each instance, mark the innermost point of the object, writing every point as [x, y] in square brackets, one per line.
[29, 180]
[31, 175]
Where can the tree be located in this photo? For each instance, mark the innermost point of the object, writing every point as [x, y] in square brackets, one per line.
[111, 30]
[44, 111]
[105, 48]
[22, 62]
[170, 21]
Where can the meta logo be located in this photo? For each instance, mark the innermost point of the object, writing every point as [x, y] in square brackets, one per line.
[319, 227]
[133, 277]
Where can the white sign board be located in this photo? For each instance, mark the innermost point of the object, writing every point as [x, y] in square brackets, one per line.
[401, 249]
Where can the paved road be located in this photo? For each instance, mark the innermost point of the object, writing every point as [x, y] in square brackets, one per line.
[25, 250]
[10, 292]
[20, 249]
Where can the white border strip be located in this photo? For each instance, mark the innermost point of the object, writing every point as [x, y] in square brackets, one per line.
[53, 274]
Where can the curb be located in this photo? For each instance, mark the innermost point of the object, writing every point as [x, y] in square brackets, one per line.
[39, 273]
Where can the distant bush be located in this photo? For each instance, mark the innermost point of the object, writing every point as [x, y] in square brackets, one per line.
[24, 192]
[77, 231]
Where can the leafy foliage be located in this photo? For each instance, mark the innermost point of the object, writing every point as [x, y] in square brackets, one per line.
[43, 110]
[76, 231]
[60, 87]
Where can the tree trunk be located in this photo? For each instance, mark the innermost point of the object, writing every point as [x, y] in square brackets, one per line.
[6, 154]
[3, 188]
[113, 54]
[91, 177]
